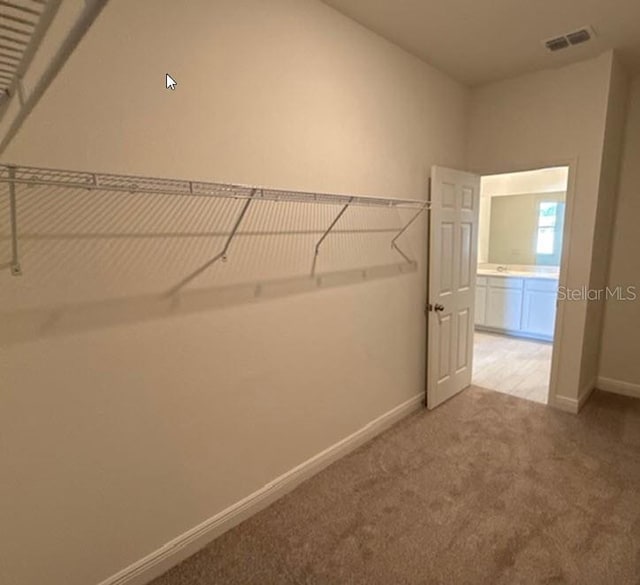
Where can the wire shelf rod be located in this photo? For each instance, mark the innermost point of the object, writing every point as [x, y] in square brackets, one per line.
[4, 47]
[14, 30]
[7, 39]
[42, 177]
[9, 60]
[37, 177]
[18, 20]
[19, 8]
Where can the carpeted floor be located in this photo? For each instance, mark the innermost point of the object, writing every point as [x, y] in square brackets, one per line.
[487, 489]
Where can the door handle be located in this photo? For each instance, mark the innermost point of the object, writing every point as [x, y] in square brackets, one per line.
[438, 308]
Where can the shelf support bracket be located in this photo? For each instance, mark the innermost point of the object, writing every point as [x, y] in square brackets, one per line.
[16, 269]
[326, 233]
[222, 255]
[394, 245]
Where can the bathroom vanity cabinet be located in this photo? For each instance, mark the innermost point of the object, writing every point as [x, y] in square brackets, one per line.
[517, 305]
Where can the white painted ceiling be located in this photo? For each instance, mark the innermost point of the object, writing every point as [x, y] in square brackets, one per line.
[477, 41]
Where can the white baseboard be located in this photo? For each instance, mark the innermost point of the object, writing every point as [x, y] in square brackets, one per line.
[574, 405]
[516, 334]
[585, 393]
[183, 546]
[619, 387]
[565, 403]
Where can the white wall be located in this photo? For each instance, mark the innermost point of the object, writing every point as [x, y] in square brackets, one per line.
[619, 364]
[548, 118]
[128, 419]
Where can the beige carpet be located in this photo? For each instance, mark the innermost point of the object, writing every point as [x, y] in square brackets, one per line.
[488, 489]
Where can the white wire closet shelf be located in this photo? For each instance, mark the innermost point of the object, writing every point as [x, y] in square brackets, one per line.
[17, 176]
[21, 175]
[25, 71]
[22, 24]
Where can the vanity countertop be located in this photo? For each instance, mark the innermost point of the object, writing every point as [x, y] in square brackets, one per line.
[518, 273]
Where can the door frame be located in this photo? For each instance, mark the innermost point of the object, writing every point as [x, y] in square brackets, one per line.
[559, 328]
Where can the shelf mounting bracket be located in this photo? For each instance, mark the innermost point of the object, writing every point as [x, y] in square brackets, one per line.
[394, 245]
[16, 269]
[326, 233]
[222, 255]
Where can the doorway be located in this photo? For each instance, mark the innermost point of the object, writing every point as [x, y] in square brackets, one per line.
[520, 242]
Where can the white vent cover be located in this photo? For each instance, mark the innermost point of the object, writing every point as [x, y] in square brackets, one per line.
[576, 37]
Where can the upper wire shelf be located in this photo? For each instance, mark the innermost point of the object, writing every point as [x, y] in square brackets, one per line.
[136, 184]
[27, 177]
[22, 25]
[24, 79]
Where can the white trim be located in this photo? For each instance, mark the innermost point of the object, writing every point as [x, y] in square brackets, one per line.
[564, 403]
[516, 334]
[574, 405]
[560, 330]
[585, 393]
[183, 546]
[559, 337]
[619, 387]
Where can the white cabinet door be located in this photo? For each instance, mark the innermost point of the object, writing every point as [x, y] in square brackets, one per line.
[504, 308]
[481, 305]
[539, 308]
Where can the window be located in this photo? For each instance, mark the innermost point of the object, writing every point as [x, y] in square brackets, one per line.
[547, 227]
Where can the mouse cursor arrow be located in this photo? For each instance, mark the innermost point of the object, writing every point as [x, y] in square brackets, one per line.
[171, 82]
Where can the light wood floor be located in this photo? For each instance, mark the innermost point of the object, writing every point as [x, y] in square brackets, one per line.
[519, 367]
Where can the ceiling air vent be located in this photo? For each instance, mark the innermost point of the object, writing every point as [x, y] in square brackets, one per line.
[580, 36]
[576, 37]
[557, 44]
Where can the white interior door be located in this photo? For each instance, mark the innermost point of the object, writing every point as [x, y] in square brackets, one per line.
[453, 257]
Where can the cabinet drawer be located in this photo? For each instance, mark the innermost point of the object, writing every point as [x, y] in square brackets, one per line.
[481, 281]
[541, 285]
[505, 282]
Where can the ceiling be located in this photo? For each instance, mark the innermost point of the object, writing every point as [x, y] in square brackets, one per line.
[476, 41]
